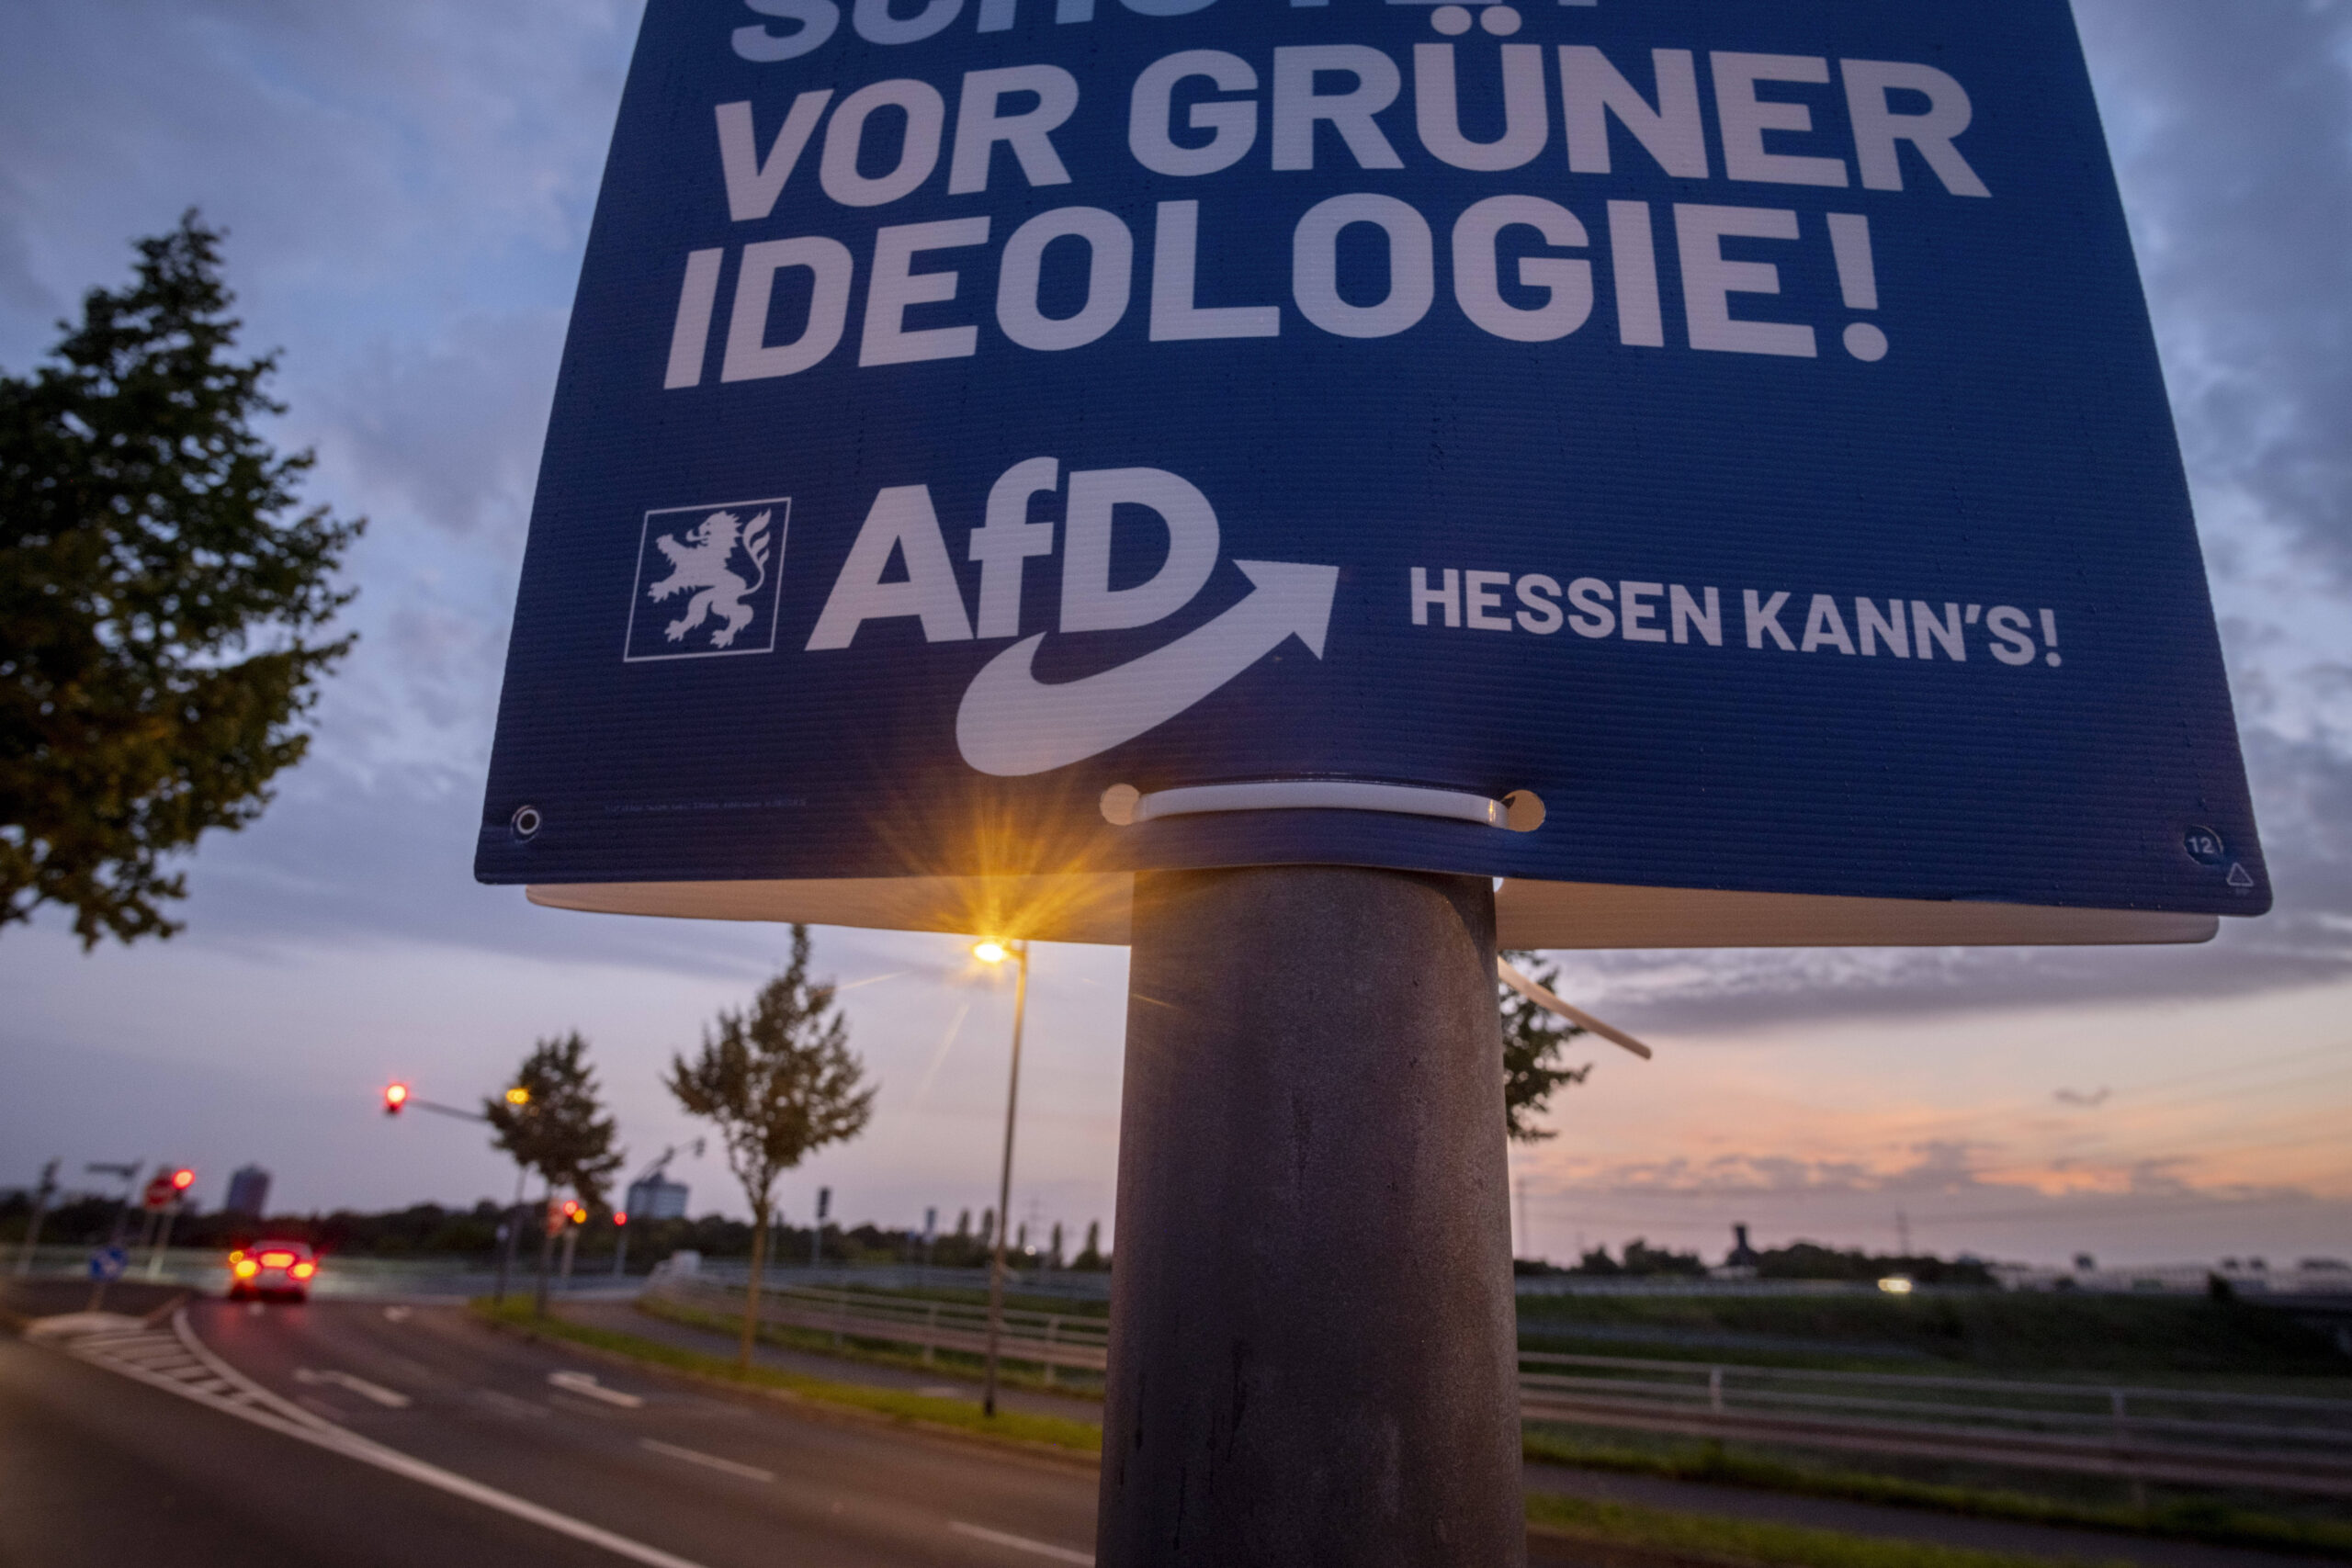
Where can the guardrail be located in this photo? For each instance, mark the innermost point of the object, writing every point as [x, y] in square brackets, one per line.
[2139, 1433]
[1053, 1342]
[2185, 1437]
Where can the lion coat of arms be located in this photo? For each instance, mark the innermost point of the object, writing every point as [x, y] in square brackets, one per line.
[702, 566]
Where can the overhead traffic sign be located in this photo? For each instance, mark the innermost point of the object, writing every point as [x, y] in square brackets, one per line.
[1704, 463]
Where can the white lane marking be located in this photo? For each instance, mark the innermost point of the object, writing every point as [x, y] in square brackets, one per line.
[507, 1405]
[231, 1392]
[942, 1391]
[360, 1386]
[585, 1382]
[748, 1472]
[396, 1315]
[1021, 1543]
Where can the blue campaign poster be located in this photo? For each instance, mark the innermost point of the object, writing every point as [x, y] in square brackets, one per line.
[1735, 427]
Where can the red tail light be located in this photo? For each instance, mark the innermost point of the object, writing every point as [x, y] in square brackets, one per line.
[304, 1270]
[276, 1259]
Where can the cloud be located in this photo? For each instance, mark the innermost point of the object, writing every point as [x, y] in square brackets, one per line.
[449, 430]
[2233, 133]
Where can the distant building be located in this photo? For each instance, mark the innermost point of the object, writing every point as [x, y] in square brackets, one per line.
[1742, 1255]
[656, 1198]
[248, 1191]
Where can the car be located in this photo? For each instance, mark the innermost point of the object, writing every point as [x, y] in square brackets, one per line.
[267, 1269]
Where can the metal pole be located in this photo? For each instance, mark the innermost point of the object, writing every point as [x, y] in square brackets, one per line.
[162, 1241]
[1004, 1179]
[546, 1250]
[514, 1224]
[1313, 1334]
[130, 1174]
[41, 1196]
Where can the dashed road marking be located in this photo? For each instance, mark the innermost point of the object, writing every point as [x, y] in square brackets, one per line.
[711, 1462]
[586, 1383]
[388, 1398]
[1021, 1543]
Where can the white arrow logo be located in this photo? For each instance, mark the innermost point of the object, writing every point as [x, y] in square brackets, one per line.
[1012, 725]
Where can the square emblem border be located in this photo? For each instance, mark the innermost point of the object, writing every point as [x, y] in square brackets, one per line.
[775, 585]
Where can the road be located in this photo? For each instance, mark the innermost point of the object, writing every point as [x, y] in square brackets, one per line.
[105, 1469]
[413, 1436]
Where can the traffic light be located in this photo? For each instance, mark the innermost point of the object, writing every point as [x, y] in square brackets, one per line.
[183, 1179]
[576, 1210]
[620, 1217]
[395, 1096]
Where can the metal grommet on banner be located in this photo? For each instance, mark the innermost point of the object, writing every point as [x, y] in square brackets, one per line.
[527, 821]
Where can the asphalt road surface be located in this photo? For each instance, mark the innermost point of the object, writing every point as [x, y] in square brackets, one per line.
[414, 1437]
[343, 1433]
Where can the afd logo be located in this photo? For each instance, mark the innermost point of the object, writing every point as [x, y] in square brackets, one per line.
[707, 580]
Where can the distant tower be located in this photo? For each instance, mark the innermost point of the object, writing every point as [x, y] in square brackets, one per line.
[1742, 1255]
[248, 1191]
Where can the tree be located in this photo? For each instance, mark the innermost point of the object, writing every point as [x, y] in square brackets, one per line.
[779, 1083]
[1533, 1040]
[552, 1121]
[160, 616]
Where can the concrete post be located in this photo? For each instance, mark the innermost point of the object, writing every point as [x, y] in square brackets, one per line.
[1313, 1332]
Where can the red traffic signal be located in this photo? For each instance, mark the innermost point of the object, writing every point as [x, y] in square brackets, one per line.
[183, 1179]
[620, 1217]
[395, 1096]
[576, 1210]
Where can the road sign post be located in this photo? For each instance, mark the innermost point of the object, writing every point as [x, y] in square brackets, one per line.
[1016, 467]
[1313, 1333]
[106, 1265]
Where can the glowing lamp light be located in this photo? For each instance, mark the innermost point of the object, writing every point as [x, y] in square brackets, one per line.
[992, 951]
[395, 1096]
[304, 1270]
[245, 1267]
[518, 1095]
[276, 1259]
[182, 1180]
[1897, 1285]
[619, 1218]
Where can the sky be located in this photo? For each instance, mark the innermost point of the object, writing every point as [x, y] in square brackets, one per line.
[407, 190]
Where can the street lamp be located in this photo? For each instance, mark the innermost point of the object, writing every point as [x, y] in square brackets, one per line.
[993, 952]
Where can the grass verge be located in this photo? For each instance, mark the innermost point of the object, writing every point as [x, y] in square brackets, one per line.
[1708, 1539]
[1647, 1535]
[954, 1415]
[2215, 1523]
[819, 1342]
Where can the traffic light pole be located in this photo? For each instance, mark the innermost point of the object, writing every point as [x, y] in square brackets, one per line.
[513, 1225]
[1313, 1332]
